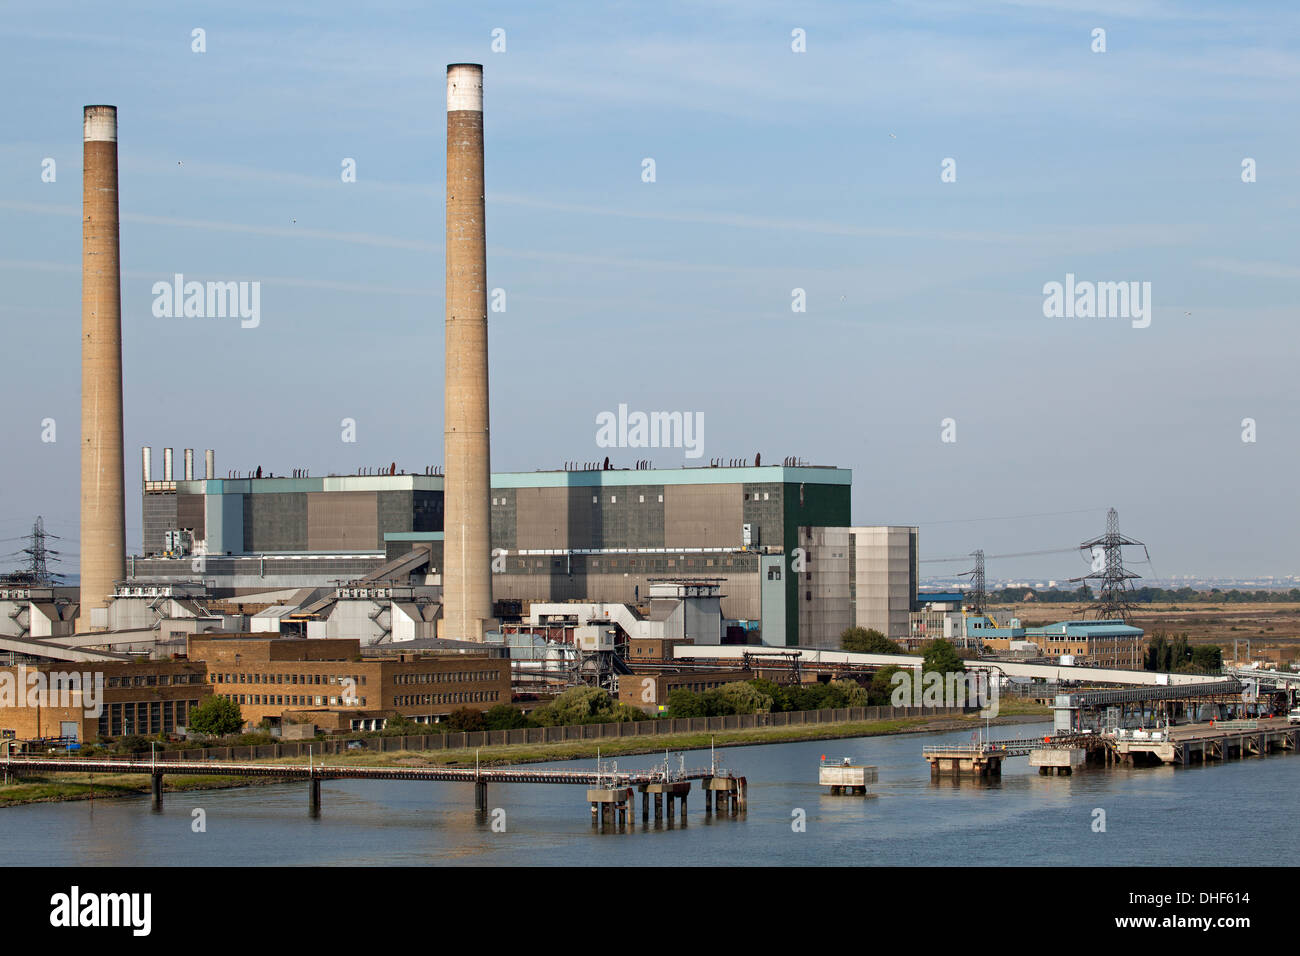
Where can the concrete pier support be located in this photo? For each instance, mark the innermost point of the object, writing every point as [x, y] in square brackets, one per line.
[157, 790]
[1060, 761]
[673, 791]
[313, 797]
[480, 796]
[962, 762]
[611, 807]
[729, 794]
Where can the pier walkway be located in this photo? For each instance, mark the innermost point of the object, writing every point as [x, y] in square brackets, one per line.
[616, 784]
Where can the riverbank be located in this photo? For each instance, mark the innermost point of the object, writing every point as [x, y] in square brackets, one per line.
[56, 787]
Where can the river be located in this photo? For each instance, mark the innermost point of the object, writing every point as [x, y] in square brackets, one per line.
[1232, 813]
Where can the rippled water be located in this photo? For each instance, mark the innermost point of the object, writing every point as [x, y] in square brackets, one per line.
[1233, 813]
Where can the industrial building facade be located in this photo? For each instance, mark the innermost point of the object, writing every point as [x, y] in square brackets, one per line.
[596, 535]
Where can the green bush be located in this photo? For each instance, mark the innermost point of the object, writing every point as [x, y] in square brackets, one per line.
[216, 717]
[940, 655]
[506, 717]
[584, 705]
[399, 725]
[881, 691]
[864, 640]
[466, 720]
[254, 739]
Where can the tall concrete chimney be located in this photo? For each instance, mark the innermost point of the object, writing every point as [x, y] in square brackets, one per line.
[103, 501]
[146, 462]
[189, 464]
[209, 463]
[167, 464]
[467, 559]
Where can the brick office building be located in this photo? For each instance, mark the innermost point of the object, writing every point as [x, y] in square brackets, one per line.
[138, 697]
[273, 678]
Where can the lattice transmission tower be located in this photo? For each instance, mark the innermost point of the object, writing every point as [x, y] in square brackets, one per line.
[977, 596]
[1114, 581]
[38, 555]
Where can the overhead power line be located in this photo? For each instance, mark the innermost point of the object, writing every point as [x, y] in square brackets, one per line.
[1041, 514]
[1018, 554]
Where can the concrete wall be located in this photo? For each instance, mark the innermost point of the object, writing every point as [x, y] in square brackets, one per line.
[773, 571]
[823, 587]
[884, 578]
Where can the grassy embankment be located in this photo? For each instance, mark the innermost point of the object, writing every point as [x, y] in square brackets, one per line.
[58, 787]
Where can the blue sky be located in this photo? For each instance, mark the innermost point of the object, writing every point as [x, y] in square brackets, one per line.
[775, 170]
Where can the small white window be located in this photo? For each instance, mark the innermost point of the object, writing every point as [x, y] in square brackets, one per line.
[640, 499]
[593, 499]
[661, 499]
[613, 499]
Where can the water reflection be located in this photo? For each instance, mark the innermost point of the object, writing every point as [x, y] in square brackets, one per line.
[1226, 813]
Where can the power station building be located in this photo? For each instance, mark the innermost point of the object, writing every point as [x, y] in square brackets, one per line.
[774, 538]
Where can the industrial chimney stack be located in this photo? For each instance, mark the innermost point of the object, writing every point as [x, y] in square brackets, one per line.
[467, 560]
[103, 501]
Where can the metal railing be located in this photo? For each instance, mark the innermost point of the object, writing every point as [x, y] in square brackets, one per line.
[467, 740]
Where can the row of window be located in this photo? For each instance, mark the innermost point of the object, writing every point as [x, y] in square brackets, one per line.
[144, 717]
[445, 677]
[650, 564]
[242, 678]
[293, 700]
[1091, 640]
[154, 680]
[458, 697]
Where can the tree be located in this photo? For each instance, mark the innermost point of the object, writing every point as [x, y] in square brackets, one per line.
[881, 691]
[940, 655]
[685, 703]
[808, 696]
[584, 705]
[622, 713]
[863, 640]
[845, 693]
[742, 697]
[1157, 653]
[216, 717]
[780, 700]
[1207, 657]
[464, 719]
[505, 717]
[400, 725]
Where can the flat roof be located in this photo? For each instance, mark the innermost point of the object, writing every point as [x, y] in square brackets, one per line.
[1085, 629]
[614, 477]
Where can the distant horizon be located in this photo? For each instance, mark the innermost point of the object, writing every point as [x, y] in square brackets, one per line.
[937, 585]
